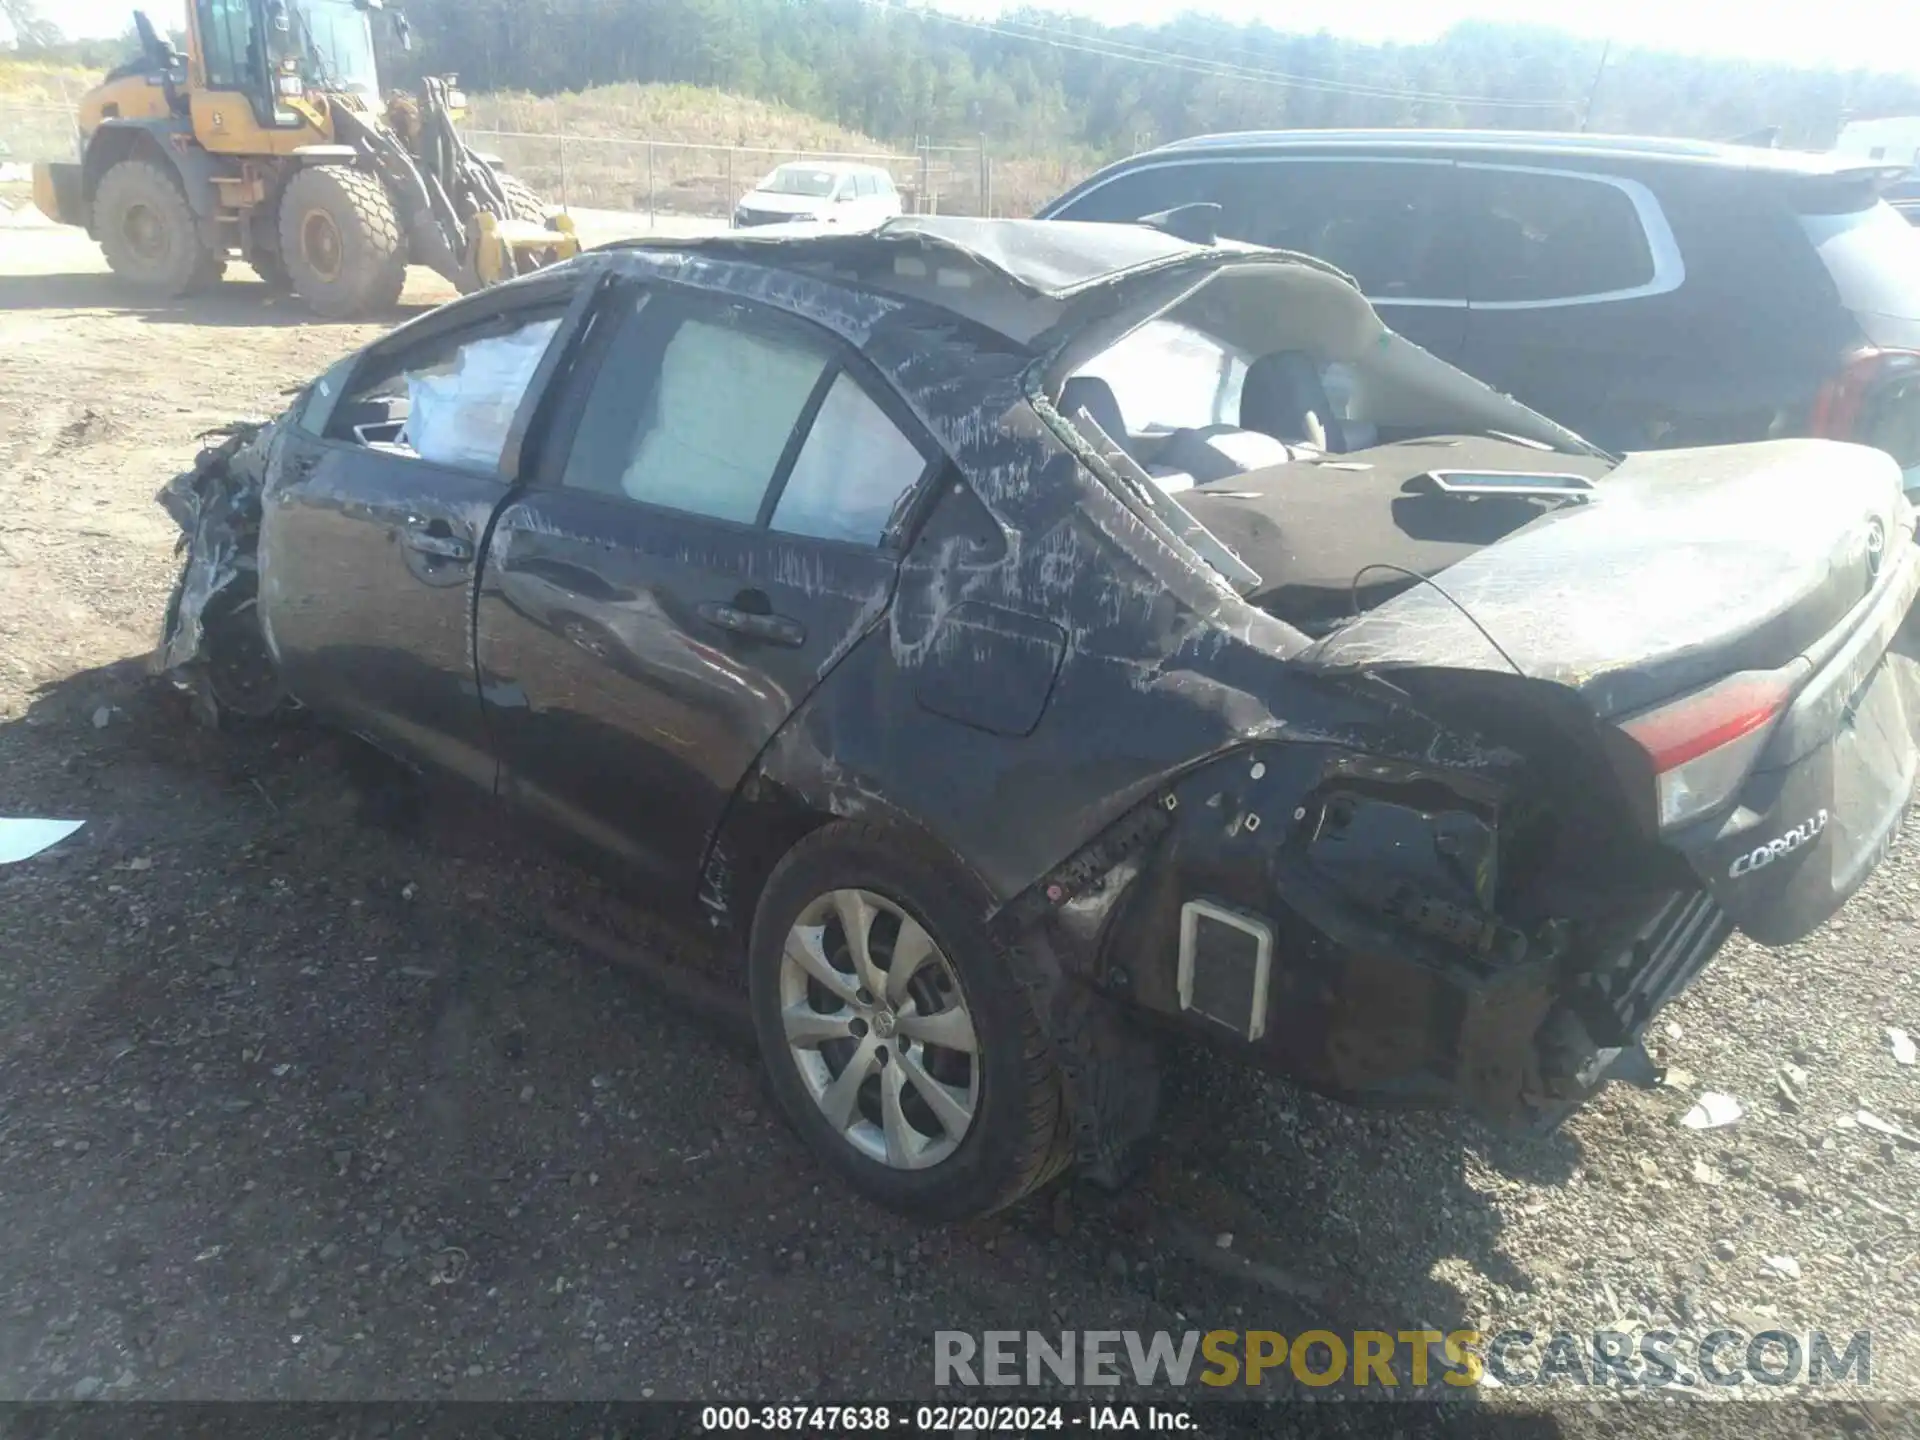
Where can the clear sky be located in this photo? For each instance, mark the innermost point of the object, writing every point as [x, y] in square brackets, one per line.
[1875, 34]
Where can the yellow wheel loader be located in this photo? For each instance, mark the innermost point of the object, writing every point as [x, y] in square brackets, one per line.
[270, 140]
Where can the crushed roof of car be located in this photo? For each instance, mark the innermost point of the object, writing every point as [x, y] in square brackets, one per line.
[1049, 258]
[1015, 277]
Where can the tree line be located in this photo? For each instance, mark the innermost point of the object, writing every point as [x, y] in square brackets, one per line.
[1038, 82]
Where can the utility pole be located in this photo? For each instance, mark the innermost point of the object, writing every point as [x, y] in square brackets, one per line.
[1586, 114]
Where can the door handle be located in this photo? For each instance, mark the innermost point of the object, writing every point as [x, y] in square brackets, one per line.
[774, 629]
[436, 540]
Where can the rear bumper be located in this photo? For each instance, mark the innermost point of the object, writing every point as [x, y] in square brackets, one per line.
[1829, 793]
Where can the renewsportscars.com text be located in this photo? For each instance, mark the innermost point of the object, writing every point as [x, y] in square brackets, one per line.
[1411, 1359]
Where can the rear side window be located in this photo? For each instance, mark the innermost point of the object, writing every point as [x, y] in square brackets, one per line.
[745, 415]
[1540, 237]
[852, 472]
[1873, 256]
[713, 424]
[1386, 223]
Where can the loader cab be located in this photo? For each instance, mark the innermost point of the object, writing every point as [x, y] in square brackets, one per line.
[256, 61]
[328, 44]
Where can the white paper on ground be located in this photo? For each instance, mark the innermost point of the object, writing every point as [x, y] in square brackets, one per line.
[24, 839]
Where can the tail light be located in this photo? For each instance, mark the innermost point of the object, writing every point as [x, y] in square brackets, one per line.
[1702, 745]
[1840, 407]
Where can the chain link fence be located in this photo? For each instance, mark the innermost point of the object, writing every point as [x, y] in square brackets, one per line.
[657, 178]
[662, 177]
[36, 132]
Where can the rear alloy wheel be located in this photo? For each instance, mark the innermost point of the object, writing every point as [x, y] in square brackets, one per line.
[340, 242]
[878, 1027]
[894, 1038]
[148, 233]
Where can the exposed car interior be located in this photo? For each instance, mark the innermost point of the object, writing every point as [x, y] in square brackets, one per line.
[1275, 410]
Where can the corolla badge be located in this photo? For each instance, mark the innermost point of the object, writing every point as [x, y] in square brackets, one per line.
[1762, 856]
[1876, 547]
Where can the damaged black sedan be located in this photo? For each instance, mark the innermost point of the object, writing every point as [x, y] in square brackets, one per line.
[1026, 639]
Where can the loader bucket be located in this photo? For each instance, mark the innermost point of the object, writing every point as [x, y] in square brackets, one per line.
[502, 249]
[59, 194]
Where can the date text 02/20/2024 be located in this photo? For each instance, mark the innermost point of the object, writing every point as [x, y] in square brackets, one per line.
[941, 1419]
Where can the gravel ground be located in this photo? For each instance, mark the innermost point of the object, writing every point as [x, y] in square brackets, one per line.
[303, 1095]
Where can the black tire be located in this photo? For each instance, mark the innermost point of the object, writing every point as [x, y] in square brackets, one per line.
[148, 232]
[340, 242]
[1018, 1136]
[522, 203]
[272, 269]
[208, 273]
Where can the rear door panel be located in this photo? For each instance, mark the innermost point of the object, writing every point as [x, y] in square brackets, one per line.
[624, 710]
[635, 655]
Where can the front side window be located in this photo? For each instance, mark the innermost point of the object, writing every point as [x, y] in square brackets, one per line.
[1554, 237]
[333, 43]
[450, 399]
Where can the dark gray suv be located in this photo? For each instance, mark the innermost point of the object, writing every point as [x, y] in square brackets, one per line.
[1646, 293]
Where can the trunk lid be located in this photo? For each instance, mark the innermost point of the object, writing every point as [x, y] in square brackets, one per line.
[1690, 565]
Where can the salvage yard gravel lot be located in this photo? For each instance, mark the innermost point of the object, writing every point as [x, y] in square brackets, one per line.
[303, 1092]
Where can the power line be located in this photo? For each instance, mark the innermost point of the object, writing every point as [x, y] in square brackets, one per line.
[1155, 54]
[1213, 69]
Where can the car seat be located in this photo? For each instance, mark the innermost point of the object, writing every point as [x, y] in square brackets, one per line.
[1284, 396]
[1096, 397]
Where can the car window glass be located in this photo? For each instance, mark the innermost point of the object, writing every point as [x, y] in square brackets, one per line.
[1873, 256]
[1145, 192]
[229, 48]
[1388, 225]
[316, 406]
[449, 399]
[1555, 237]
[693, 409]
[852, 472]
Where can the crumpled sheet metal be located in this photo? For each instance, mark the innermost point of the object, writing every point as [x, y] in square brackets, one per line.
[216, 504]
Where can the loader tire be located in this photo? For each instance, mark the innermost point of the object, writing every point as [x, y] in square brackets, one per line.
[148, 232]
[340, 241]
[272, 270]
[522, 203]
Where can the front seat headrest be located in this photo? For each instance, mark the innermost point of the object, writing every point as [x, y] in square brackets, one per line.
[1096, 397]
[1285, 397]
